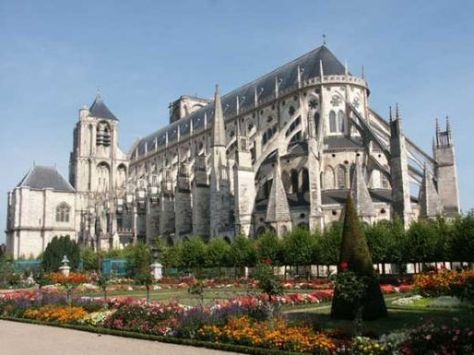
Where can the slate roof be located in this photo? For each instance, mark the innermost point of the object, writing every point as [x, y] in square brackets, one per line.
[342, 142]
[100, 110]
[287, 76]
[43, 177]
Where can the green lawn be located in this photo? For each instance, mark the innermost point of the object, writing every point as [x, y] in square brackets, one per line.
[398, 317]
[182, 296]
[318, 314]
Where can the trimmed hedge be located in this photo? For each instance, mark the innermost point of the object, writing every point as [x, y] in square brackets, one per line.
[162, 339]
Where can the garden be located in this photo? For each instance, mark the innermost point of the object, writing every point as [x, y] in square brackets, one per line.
[241, 297]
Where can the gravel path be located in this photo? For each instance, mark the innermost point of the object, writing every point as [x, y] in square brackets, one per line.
[28, 339]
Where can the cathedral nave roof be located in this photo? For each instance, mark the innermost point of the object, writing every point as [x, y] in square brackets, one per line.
[287, 77]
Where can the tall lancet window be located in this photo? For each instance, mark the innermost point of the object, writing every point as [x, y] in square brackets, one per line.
[341, 121]
[62, 212]
[332, 122]
[341, 177]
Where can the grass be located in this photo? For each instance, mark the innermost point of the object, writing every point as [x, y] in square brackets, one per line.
[182, 296]
[399, 317]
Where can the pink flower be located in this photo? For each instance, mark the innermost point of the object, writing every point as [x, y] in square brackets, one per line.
[344, 265]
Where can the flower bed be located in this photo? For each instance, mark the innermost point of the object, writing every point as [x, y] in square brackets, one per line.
[434, 339]
[59, 314]
[275, 334]
[445, 283]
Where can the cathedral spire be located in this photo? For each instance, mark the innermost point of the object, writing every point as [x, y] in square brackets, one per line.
[430, 205]
[278, 209]
[218, 127]
[360, 193]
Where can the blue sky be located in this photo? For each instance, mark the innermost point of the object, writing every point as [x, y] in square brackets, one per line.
[144, 54]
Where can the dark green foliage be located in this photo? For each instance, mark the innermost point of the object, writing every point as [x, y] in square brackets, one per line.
[138, 259]
[91, 259]
[193, 253]
[355, 254]
[269, 247]
[171, 256]
[298, 247]
[327, 247]
[460, 245]
[55, 251]
[217, 253]
[421, 243]
[268, 282]
[8, 276]
[243, 252]
[103, 282]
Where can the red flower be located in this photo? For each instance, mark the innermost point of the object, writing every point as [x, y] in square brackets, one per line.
[344, 265]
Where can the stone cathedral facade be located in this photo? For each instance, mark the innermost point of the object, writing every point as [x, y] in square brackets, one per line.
[281, 152]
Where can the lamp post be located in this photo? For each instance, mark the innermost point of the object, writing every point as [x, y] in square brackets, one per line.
[156, 267]
[65, 268]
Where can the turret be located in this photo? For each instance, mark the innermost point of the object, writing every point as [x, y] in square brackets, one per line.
[244, 185]
[219, 189]
[361, 196]
[182, 203]
[314, 172]
[430, 205]
[445, 170]
[278, 210]
[401, 199]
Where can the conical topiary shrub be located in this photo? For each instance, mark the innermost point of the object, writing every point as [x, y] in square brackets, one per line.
[355, 257]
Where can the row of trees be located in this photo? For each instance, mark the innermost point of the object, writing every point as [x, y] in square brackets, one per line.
[424, 241]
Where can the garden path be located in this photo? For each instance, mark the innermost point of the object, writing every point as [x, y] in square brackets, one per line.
[20, 339]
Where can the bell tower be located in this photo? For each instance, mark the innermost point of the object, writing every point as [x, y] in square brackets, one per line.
[445, 171]
[96, 162]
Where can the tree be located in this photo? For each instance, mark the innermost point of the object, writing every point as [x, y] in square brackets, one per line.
[329, 245]
[268, 282]
[242, 252]
[171, 256]
[298, 246]
[460, 243]
[355, 258]
[138, 259]
[421, 241]
[217, 253]
[145, 278]
[193, 254]
[103, 282]
[56, 250]
[91, 259]
[269, 248]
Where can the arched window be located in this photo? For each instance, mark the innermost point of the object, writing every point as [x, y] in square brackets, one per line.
[122, 175]
[104, 136]
[332, 122]
[103, 174]
[304, 180]
[385, 182]
[285, 177]
[62, 212]
[267, 187]
[341, 177]
[375, 179]
[341, 121]
[329, 178]
[351, 174]
[294, 181]
[316, 122]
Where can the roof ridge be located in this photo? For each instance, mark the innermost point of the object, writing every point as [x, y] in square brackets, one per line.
[319, 50]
